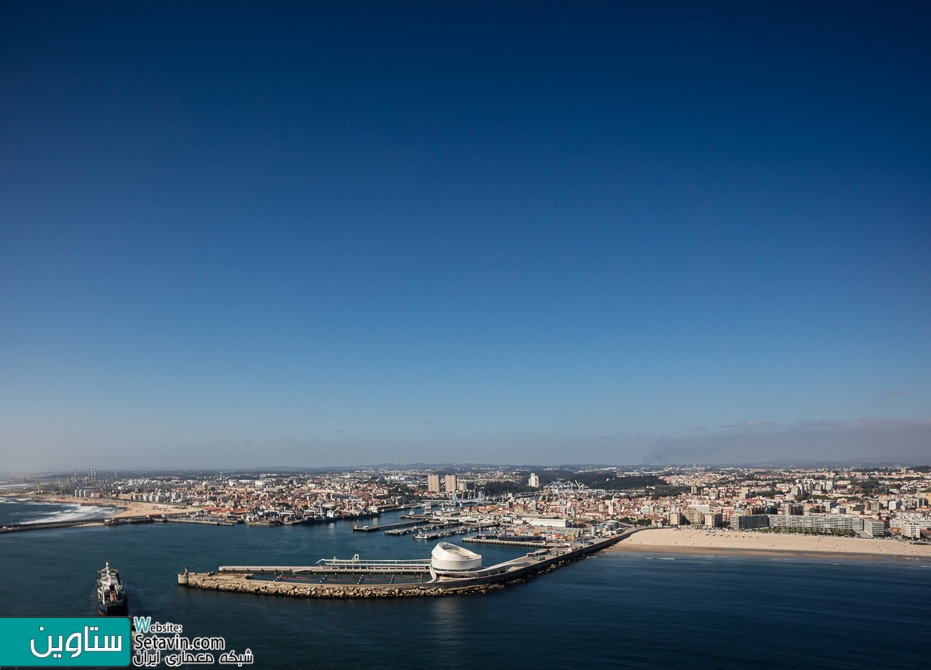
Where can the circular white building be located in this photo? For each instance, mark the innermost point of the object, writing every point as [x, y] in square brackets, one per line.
[452, 557]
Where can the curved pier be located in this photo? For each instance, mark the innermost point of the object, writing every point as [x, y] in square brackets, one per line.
[240, 579]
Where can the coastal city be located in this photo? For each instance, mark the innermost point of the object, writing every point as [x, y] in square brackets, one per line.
[487, 529]
[522, 504]
[491, 335]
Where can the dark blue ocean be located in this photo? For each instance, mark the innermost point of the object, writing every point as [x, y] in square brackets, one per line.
[608, 611]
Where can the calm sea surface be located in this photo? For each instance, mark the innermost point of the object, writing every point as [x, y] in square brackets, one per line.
[608, 611]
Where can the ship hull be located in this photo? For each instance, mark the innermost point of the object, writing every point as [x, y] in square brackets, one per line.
[112, 610]
[111, 595]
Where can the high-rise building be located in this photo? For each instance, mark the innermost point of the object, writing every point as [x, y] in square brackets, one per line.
[450, 483]
[534, 481]
[433, 483]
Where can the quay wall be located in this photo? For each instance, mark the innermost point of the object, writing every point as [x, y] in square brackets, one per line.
[241, 584]
[520, 569]
[507, 543]
[46, 525]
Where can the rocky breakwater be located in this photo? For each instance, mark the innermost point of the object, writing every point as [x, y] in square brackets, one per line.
[467, 582]
[239, 583]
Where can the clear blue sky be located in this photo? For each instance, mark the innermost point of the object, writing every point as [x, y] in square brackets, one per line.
[319, 234]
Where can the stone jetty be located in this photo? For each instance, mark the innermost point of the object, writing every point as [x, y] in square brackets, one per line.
[480, 581]
[213, 581]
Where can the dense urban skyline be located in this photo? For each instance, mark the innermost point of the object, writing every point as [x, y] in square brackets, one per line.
[233, 236]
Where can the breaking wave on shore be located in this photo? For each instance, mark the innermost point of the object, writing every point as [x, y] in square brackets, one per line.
[22, 511]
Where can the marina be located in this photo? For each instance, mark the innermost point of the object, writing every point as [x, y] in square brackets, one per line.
[386, 526]
[534, 542]
[410, 530]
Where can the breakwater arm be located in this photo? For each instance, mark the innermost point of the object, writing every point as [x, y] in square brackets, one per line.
[18, 527]
[482, 580]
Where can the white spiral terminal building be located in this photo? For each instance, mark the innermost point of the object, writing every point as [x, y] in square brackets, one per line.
[448, 557]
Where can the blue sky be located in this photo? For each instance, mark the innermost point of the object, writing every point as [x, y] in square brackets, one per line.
[237, 236]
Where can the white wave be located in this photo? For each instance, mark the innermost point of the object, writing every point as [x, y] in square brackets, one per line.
[73, 513]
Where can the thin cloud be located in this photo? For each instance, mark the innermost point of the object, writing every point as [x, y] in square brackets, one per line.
[700, 428]
[865, 423]
[607, 438]
[823, 423]
[894, 393]
[883, 421]
[750, 425]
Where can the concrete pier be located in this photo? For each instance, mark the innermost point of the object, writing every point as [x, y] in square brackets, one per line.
[482, 580]
[508, 543]
[46, 525]
[384, 526]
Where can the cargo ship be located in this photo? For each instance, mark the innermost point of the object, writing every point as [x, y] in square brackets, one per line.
[111, 596]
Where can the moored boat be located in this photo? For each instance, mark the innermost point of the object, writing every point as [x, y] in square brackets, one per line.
[250, 520]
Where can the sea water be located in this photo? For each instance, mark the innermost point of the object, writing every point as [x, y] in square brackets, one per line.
[611, 610]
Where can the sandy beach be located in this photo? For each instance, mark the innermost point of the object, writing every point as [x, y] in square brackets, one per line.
[125, 508]
[671, 540]
[144, 509]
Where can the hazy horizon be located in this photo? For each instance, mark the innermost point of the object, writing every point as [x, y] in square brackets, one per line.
[409, 233]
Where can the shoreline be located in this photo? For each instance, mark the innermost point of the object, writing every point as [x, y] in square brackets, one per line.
[126, 508]
[680, 540]
[746, 543]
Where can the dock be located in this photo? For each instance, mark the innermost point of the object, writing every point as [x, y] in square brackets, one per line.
[355, 578]
[333, 565]
[508, 543]
[47, 525]
[207, 521]
[385, 526]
